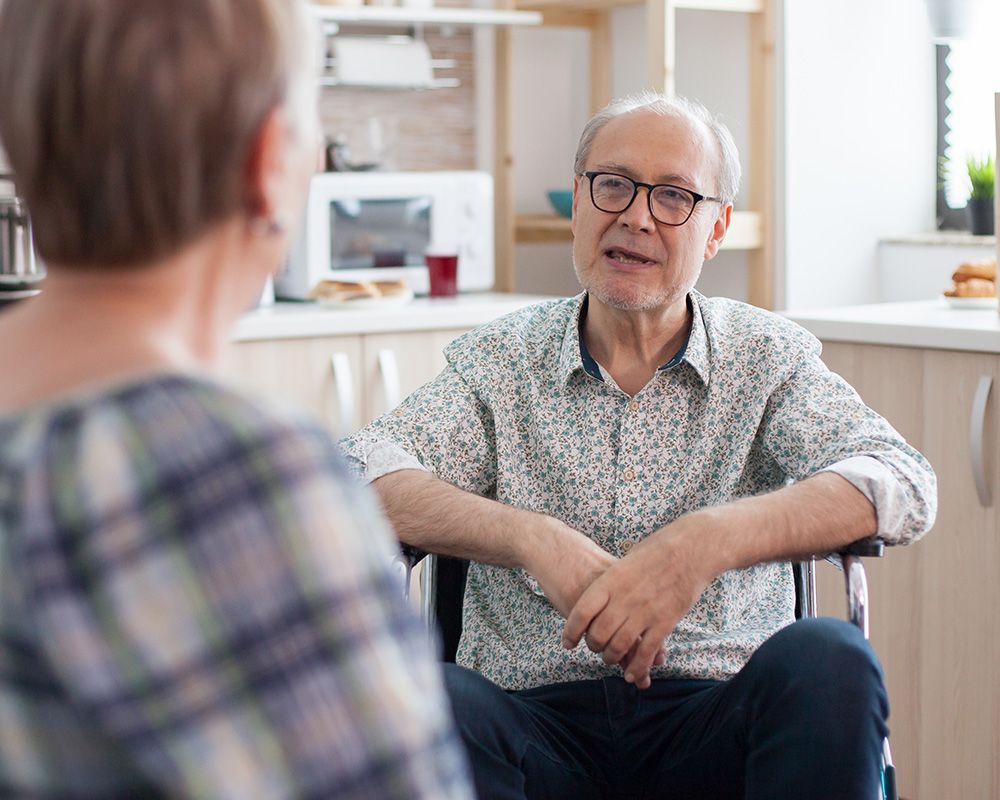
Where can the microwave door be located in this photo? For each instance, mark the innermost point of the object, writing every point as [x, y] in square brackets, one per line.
[379, 233]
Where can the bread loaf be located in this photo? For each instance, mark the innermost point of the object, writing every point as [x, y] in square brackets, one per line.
[346, 291]
[986, 270]
[974, 279]
[973, 287]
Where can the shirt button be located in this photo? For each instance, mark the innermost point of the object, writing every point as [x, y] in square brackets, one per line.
[627, 545]
[398, 412]
[633, 405]
[629, 474]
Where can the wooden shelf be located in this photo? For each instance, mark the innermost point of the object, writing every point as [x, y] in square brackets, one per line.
[745, 231]
[395, 15]
[746, 6]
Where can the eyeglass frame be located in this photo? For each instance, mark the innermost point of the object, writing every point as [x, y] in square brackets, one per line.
[649, 187]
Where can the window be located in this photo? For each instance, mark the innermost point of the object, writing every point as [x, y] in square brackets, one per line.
[968, 77]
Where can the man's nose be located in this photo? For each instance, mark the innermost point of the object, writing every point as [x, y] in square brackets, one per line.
[637, 217]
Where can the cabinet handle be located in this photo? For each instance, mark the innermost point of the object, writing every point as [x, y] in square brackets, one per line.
[976, 425]
[343, 381]
[389, 370]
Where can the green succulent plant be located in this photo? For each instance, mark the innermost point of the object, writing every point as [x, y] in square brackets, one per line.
[981, 176]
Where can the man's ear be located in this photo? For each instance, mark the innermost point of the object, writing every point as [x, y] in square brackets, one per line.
[265, 167]
[577, 180]
[718, 233]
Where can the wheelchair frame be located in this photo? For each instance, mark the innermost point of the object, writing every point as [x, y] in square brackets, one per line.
[849, 559]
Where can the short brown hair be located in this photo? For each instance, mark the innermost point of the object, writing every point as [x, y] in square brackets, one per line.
[129, 123]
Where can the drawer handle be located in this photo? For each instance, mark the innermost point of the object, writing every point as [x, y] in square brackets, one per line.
[343, 382]
[976, 426]
[389, 370]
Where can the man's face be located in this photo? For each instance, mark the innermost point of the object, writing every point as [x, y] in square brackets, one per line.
[629, 261]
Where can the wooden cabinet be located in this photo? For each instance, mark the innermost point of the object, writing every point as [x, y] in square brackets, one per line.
[751, 229]
[344, 381]
[936, 604]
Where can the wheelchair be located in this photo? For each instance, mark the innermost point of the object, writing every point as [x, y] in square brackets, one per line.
[442, 587]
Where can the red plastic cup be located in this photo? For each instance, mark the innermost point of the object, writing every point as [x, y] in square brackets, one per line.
[443, 271]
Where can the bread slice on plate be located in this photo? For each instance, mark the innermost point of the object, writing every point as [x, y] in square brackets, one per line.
[348, 294]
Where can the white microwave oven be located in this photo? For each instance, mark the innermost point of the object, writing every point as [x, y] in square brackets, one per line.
[364, 226]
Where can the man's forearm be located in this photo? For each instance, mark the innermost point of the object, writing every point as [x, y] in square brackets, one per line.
[433, 515]
[813, 517]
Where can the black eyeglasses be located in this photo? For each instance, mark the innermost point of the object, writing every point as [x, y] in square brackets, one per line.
[668, 204]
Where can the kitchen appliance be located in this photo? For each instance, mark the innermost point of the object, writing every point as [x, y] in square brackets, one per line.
[20, 269]
[377, 226]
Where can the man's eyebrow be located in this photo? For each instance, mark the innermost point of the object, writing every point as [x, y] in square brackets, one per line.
[621, 169]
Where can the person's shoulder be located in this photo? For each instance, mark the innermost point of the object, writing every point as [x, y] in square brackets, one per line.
[734, 326]
[195, 420]
[515, 336]
[197, 397]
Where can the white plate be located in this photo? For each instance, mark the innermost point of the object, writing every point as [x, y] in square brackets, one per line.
[19, 294]
[970, 302]
[391, 301]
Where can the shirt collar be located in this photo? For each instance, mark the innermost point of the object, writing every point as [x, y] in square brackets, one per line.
[573, 354]
[570, 359]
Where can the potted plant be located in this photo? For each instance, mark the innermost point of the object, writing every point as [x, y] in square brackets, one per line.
[981, 177]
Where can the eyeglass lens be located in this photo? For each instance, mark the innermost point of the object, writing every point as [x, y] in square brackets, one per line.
[613, 194]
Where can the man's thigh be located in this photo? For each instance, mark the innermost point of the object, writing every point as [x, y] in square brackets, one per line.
[805, 717]
[545, 743]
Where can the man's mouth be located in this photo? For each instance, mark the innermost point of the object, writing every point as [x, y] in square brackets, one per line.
[624, 256]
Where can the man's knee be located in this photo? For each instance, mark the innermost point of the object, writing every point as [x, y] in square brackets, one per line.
[824, 656]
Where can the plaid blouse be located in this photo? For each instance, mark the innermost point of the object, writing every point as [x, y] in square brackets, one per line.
[747, 407]
[195, 601]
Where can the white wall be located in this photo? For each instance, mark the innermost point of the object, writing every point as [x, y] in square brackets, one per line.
[860, 142]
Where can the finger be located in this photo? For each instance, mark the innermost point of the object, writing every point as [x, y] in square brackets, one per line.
[590, 604]
[637, 668]
[625, 640]
[603, 628]
[643, 682]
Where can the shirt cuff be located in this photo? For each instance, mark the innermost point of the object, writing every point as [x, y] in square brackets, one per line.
[383, 458]
[876, 482]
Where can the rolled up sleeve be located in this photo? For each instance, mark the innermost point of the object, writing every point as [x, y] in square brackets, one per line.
[444, 427]
[815, 421]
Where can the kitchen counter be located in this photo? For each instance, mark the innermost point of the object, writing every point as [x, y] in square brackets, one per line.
[924, 323]
[290, 320]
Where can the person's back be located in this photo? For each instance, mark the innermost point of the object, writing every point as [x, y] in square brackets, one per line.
[195, 601]
[176, 615]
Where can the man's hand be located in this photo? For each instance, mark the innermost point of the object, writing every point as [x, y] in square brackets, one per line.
[564, 562]
[628, 611]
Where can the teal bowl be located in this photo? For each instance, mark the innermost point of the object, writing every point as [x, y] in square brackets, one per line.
[562, 201]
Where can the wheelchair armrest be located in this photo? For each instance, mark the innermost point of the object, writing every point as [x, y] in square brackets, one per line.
[412, 555]
[871, 547]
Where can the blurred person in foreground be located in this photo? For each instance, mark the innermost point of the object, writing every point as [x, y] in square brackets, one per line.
[616, 466]
[195, 600]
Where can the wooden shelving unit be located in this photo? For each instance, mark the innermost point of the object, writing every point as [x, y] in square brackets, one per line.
[407, 15]
[751, 230]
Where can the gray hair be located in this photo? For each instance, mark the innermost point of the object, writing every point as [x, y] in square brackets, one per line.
[692, 110]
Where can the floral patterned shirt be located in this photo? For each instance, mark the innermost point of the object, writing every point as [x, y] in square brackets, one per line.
[748, 407]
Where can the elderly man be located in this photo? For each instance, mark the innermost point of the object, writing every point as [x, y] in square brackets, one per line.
[635, 466]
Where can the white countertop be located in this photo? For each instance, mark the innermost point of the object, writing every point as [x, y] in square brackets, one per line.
[297, 320]
[924, 323]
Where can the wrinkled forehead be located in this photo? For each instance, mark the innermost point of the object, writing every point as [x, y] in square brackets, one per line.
[659, 148]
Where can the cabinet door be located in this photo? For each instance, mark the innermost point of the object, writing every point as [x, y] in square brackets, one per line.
[395, 364]
[960, 598]
[889, 380]
[321, 375]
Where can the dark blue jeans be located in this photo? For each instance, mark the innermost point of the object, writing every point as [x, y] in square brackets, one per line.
[805, 718]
